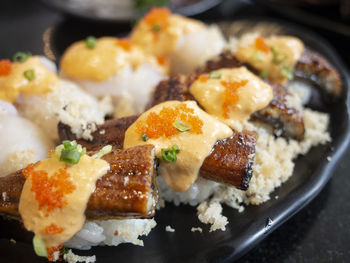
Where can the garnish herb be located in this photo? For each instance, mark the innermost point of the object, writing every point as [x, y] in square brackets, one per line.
[258, 56]
[181, 126]
[105, 150]
[39, 246]
[21, 56]
[287, 72]
[277, 57]
[64, 250]
[264, 74]
[215, 75]
[90, 42]
[144, 137]
[170, 154]
[69, 152]
[29, 74]
[156, 27]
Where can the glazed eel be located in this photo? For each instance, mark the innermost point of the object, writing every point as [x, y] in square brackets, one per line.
[126, 190]
[230, 161]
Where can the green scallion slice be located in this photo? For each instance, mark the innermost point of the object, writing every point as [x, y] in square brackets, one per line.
[257, 56]
[264, 74]
[144, 137]
[170, 154]
[64, 250]
[29, 74]
[156, 27]
[105, 150]
[215, 75]
[70, 152]
[287, 72]
[90, 42]
[181, 126]
[39, 246]
[21, 56]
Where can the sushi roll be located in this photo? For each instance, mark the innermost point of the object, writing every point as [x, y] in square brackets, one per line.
[42, 97]
[114, 67]
[22, 141]
[185, 42]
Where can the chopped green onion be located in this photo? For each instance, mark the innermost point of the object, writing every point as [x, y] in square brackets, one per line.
[258, 56]
[69, 152]
[287, 72]
[64, 250]
[144, 137]
[215, 75]
[169, 154]
[21, 56]
[181, 126]
[264, 74]
[39, 246]
[90, 42]
[29, 74]
[176, 148]
[105, 150]
[156, 27]
[275, 56]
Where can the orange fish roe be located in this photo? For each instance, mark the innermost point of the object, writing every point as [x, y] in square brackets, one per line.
[29, 169]
[161, 124]
[5, 67]
[49, 191]
[53, 229]
[124, 43]
[51, 251]
[203, 78]
[158, 17]
[231, 97]
[162, 60]
[261, 45]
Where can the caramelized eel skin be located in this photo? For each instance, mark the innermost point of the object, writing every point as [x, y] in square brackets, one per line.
[112, 198]
[280, 116]
[234, 168]
[312, 66]
[277, 113]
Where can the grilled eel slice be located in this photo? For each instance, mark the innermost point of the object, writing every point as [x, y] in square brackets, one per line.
[315, 68]
[230, 160]
[112, 197]
[281, 117]
[277, 113]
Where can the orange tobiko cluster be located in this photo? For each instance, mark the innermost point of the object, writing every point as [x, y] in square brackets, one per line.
[158, 17]
[162, 123]
[49, 191]
[231, 96]
[261, 45]
[53, 229]
[124, 43]
[51, 253]
[5, 67]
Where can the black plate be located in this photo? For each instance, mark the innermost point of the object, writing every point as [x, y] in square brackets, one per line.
[184, 7]
[245, 229]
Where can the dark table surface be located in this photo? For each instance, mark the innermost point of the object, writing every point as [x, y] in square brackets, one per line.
[318, 233]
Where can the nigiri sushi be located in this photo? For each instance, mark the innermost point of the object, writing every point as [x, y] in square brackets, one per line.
[185, 42]
[114, 67]
[42, 97]
[22, 142]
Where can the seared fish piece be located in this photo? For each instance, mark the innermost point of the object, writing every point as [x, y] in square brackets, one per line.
[314, 67]
[287, 120]
[277, 113]
[230, 160]
[111, 132]
[127, 190]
